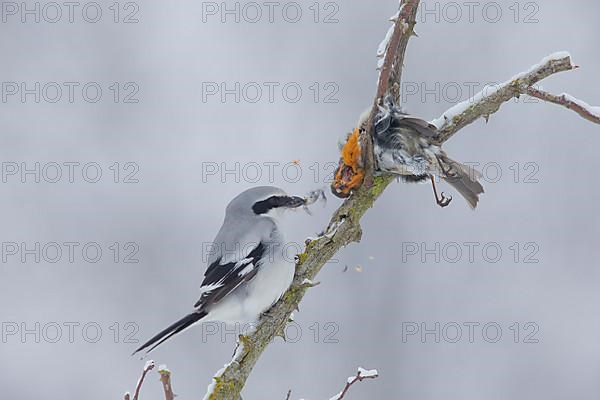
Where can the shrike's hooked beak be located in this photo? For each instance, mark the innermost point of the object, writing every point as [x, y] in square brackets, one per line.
[293, 201]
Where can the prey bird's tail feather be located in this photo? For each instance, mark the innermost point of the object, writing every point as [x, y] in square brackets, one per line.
[173, 329]
[462, 178]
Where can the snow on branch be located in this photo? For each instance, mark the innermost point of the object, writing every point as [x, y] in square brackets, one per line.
[149, 366]
[165, 378]
[489, 100]
[580, 107]
[361, 375]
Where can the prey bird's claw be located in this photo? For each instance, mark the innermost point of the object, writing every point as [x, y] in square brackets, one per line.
[444, 201]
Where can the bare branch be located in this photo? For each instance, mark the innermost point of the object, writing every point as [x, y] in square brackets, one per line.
[127, 396]
[489, 100]
[583, 109]
[361, 375]
[149, 366]
[165, 379]
[391, 70]
[390, 74]
[289, 395]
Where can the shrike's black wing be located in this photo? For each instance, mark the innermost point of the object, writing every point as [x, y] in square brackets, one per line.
[221, 279]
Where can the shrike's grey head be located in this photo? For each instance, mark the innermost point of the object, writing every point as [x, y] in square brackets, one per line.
[263, 201]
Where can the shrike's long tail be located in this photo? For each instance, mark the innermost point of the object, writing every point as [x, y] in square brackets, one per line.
[173, 329]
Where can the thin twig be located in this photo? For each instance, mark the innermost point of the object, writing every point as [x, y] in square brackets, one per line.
[360, 376]
[149, 366]
[165, 379]
[289, 395]
[127, 396]
[584, 110]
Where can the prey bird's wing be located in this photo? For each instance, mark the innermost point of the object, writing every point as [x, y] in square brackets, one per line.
[419, 125]
[393, 117]
[221, 278]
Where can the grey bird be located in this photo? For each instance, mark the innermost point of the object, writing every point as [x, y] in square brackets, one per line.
[405, 145]
[247, 268]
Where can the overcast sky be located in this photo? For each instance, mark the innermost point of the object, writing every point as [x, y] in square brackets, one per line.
[123, 141]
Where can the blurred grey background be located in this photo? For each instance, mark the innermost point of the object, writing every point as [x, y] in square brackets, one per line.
[528, 316]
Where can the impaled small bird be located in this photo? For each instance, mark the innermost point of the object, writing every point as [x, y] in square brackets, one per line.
[405, 145]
